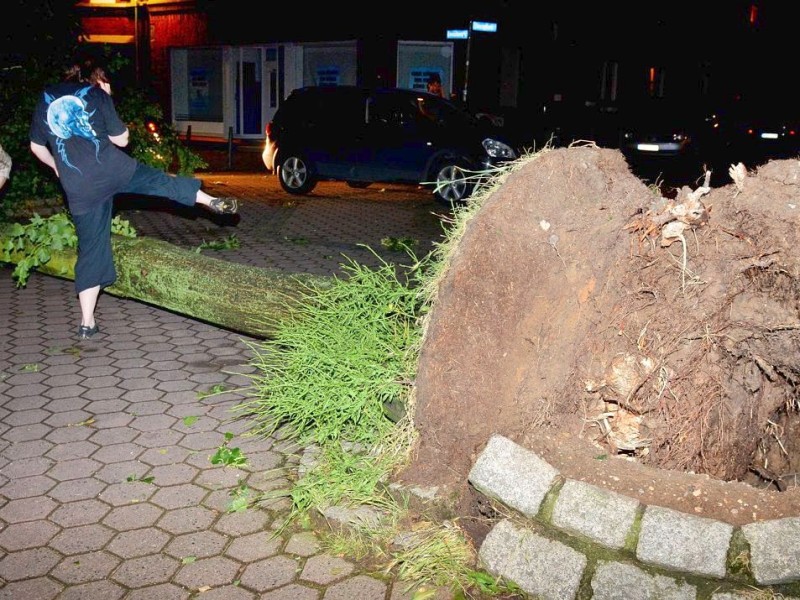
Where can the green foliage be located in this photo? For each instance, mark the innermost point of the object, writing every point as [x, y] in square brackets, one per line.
[152, 140]
[229, 243]
[227, 456]
[401, 244]
[338, 358]
[437, 554]
[36, 241]
[242, 498]
[343, 477]
[219, 388]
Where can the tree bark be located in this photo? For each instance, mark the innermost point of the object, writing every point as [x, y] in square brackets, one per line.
[231, 295]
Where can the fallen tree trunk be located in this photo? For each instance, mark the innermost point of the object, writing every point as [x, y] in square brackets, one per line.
[231, 295]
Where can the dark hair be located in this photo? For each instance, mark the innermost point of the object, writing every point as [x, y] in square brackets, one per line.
[434, 78]
[86, 70]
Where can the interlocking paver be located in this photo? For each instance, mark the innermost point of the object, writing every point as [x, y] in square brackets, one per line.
[94, 590]
[66, 404]
[304, 543]
[92, 566]
[221, 477]
[255, 546]
[114, 453]
[27, 564]
[173, 474]
[24, 467]
[175, 386]
[85, 538]
[211, 572]
[25, 487]
[73, 469]
[77, 489]
[146, 571]
[41, 588]
[202, 441]
[70, 433]
[127, 492]
[242, 523]
[160, 439]
[325, 569]
[26, 433]
[293, 591]
[83, 512]
[201, 544]
[26, 417]
[361, 586]
[270, 573]
[133, 516]
[116, 435]
[179, 496]
[129, 471]
[138, 542]
[153, 422]
[164, 591]
[70, 450]
[68, 419]
[32, 534]
[27, 509]
[187, 520]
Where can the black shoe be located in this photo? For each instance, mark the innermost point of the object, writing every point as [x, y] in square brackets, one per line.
[85, 332]
[224, 206]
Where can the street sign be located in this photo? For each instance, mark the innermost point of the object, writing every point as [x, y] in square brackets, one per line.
[457, 34]
[487, 26]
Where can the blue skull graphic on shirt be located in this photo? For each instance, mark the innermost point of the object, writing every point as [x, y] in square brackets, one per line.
[67, 117]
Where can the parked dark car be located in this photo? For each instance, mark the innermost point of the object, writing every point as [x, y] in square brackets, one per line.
[757, 130]
[657, 127]
[391, 135]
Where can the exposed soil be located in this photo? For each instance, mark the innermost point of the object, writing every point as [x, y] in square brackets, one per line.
[646, 344]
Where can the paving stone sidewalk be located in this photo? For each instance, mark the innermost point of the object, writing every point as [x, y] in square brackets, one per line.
[107, 488]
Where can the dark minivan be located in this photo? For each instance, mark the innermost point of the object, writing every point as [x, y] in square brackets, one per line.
[391, 135]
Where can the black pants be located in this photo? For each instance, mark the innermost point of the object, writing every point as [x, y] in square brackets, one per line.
[95, 263]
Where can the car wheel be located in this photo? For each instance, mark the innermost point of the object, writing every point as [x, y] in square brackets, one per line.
[359, 185]
[295, 175]
[452, 184]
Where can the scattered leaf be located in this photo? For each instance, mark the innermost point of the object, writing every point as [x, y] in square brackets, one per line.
[190, 420]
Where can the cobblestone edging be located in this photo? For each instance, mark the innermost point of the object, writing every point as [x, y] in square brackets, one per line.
[570, 539]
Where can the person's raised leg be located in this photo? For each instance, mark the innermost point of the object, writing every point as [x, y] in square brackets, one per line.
[178, 188]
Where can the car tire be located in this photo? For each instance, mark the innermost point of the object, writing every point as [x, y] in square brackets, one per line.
[359, 185]
[453, 186]
[295, 174]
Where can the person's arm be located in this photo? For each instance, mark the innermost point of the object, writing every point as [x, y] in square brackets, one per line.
[44, 155]
[112, 117]
[120, 140]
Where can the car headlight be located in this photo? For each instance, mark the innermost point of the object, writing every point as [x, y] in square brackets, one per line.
[497, 149]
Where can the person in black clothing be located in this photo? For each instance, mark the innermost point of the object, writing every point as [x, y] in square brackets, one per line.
[76, 131]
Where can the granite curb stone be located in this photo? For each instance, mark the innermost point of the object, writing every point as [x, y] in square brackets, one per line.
[676, 555]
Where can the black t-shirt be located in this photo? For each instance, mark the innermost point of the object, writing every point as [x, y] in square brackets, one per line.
[75, 120]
